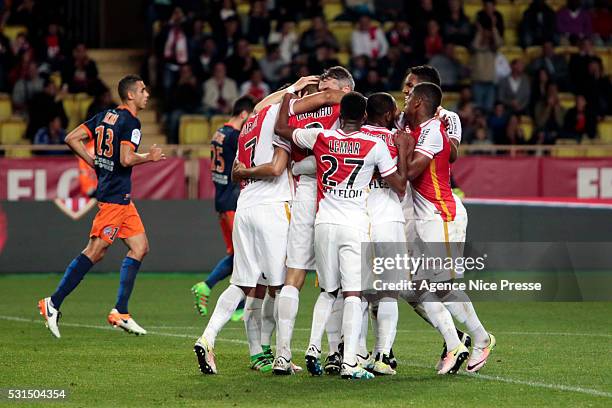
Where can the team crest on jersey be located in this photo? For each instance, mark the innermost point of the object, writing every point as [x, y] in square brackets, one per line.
[75, 208]
[136, 136]
[110, 232]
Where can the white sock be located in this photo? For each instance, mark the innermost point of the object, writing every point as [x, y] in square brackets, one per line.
[441, 319]
[459, 305]
[287, 305]
[226, 305]
[374, 320]
[351, 327]
[334, 324]
[362, 348]
[320, 315]
[387, 324]
[268, 324]
[252, 324]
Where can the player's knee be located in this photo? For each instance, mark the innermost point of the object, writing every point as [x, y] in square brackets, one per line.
[94, 253]
[140, 250]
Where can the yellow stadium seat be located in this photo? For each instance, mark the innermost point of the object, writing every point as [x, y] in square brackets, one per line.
[532, 53]
[72, 109]
[462, 54]
[567, 100]
[471, 9]
[11, 31]
[332, 10]
[509, 14]
[344, 57]
[243, 9]
[12, 131]
[258, 51]
[606, 58]
[604, 130]
[399, 98]
[564, 149]
[512, 53]
[303, 25]
[450, 99]
[194, 129]
[342, 30]
[527, 127]
[6, 109]
[218, 121]
[56, 78]
[511, 36]
[84, 104]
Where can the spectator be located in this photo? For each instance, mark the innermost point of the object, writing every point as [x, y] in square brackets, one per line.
[259, 22]
[456, 27]
[52, 134]
[175, 49]
[255, 87]
[20, 44]
[579, 65]
[225, 11]
[196, 37]
[554, 64]
[6, 60]
[573, 22]
[514, 131]
[598, 92]
[497, 122]
[389, 10]
[450, 69]
[204, 62]
[403, 37]
[241, 64]
[580, 121]
[185, 98]
[481, 138]
[26, 87]
[548, 117]
[80, 73]
[220, 92]
[360, 65]
[514, 91]
[317, 34]
[287, 40]
[601, 19]
[433, 40]
[368, 39]
[272, 64]
[538, 24]
[324, 57]
[44, 106]
[489, 12]
[26, 13]
[52, 47]
[373, 83]
[420, 15]
[395, 68]
[227, 38]
[484, 50]
[539, 85]
[103, 100]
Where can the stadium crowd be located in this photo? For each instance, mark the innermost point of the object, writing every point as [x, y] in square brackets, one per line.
[208, 53]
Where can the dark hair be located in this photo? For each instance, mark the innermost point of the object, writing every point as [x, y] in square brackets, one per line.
[353, 106]
[126, 84]
[309, 90]
[341, 74]
[244, 103]
[379, 104]
[426, 73]
[430, 93]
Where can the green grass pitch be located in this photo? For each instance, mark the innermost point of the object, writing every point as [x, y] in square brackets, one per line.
[548, 354]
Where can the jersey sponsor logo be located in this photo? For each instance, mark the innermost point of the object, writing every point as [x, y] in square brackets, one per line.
[136, 136]
[105, 164]
[110, 118]
[422, 136]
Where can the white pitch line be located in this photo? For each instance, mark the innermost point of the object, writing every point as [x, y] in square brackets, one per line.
[535, 384]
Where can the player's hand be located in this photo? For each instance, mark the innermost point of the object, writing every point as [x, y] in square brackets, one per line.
[303, 82]
[238, 171]
[403, 139]
[156, 154]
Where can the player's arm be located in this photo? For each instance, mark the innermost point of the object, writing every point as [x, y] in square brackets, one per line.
[281, 127]
[76, 141]
[272, 169]
[278, 95]
[307, 165]
[316, 100]
[454, 152]
[397, 179]
[130, 158]
[452, 124]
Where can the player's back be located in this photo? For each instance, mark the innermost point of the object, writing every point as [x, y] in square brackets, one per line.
[383, 202]
[345, 166]
[256, 145]
[110, 129]
[223, 149]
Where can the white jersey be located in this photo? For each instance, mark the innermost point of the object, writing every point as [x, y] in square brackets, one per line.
[383, 202]
[345, 166]
[255, 147]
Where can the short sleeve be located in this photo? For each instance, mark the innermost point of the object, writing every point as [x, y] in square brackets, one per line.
[386, 165]
[89, 126]
[452, 124]
[305, 138]
[430, 142]
[130, 133]
[282, 143]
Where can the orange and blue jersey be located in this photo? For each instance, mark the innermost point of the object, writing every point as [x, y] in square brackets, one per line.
[223, 148]
[109, 130]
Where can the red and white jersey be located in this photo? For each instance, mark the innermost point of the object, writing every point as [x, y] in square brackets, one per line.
[383, 202]
[345, 166]
[450, 118]
[255, 147]
[431, 191]
[326, 117]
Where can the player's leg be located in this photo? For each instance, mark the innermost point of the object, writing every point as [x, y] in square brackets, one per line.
[269, 315]
[253, 324]
[333, 329]
[288, 304]
[103, 232]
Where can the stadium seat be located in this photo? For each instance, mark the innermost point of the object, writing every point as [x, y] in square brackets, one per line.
[344, 57]
[6, 109]
[604, 54]
[511, 52]
[564, 150]
[258, 51]
[11, 31]
[243, 9]
[72, 108]
[12, 131]
[604, 130]
[217, 121]
[462, 54]
[83, 102]
[399, 98]
[567, 100]
[509, 14]
[511, 36]
[471, 9]
[450, 99]
[194, 129]
[332, 10]
[527, 127]
[532, 53]
[302, 25]
[342, 30]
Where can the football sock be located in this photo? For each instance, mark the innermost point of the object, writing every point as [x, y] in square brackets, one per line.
[351, 327]
[74, 274]
[320, 315]
[387, 324]
[129, 269]
[362, 348]
[459, 305]
[268, 324]
[222, 270]
[333, 327]
[441, 319]
[226, 305]
[252, 324]
[374, 319]
[288, 303]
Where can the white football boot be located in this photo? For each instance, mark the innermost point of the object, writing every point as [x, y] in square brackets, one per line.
[51, 315]
[124, 321]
